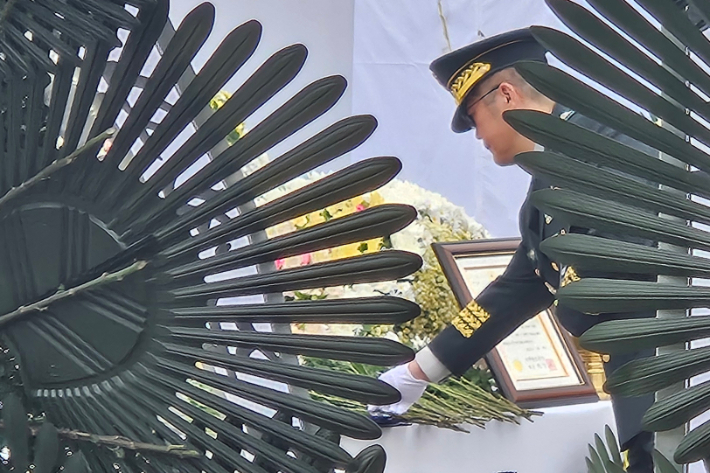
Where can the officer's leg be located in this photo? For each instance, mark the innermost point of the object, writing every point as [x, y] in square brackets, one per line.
[628, 412]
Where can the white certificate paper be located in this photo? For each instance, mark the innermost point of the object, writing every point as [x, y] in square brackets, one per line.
[534, 355]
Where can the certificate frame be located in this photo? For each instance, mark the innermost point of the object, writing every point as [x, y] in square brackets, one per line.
[570, 383]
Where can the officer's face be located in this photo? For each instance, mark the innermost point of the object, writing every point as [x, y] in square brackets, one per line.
[498, 137]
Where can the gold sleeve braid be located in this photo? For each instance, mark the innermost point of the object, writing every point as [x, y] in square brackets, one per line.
[470, 318]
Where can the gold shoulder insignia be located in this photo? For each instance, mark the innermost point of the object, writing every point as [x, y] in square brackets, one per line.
[570, 276]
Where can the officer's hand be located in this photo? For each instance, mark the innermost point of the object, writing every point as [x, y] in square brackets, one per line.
[409, 387]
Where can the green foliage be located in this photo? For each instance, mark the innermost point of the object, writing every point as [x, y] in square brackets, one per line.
[38, 446]
[305, 296]
[430, 287]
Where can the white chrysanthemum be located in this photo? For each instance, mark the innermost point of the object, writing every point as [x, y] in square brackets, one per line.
[437, 220]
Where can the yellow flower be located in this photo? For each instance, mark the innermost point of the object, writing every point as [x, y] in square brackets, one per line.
[376, 199]
[219, 99]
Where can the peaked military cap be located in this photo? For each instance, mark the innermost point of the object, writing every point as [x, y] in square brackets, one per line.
[461, 70]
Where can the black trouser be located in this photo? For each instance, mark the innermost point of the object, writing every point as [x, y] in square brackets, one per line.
[628, 412]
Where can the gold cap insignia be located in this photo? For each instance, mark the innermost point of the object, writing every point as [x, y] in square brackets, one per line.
[466, 79]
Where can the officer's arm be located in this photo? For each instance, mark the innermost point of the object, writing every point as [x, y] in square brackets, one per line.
[509, 301]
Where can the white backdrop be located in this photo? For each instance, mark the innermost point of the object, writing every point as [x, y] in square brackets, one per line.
[395, 41]
[384, 49]
[325, 27]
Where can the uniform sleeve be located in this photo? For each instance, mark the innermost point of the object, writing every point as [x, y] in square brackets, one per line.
[516, 296]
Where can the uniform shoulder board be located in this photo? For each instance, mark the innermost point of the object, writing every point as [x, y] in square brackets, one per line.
[566, 115]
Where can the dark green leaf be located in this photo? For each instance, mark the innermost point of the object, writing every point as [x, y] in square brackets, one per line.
[597, 33]
[562, 171]
[597, 296]
[663, 464]
[601, 449]
[613, 468]
[370, 460]
[572, 140]
[596, 460]
[695, 446]
[76, 464]
[17, 431]
[46, 449]
[586, 211]
[590, 253]
[647, 375]
[677, 409]
[613, 445]
[625, 336]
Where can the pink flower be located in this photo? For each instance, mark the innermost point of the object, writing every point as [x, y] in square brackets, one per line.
[280, 263]
[359, 208]
[305, 259]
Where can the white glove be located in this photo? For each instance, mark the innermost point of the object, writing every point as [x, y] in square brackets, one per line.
[409, 387]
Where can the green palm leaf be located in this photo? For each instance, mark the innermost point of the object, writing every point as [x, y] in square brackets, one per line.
[606, 458]
[603, 183]
[138, 278]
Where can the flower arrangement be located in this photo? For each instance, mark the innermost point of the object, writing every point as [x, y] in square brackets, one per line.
[437, 220]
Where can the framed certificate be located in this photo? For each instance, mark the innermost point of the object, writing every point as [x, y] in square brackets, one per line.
[537, 365]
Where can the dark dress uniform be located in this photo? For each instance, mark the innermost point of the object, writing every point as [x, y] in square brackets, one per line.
[529, 282]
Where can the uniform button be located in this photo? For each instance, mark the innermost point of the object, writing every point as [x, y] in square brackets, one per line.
[605, 358]
[537, 271]
[548, 219]
[554, 266]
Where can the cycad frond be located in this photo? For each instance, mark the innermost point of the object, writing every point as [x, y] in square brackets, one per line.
[133, 273]
[639, 51]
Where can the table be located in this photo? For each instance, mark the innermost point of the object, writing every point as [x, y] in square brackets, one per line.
[554, 442]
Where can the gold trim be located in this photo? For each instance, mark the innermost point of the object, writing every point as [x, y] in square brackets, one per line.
[594, 364]
[458, 74]
[467, 79]
[569, 277]
[470, 319]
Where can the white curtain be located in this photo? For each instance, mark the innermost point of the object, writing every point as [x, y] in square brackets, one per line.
[395, 40]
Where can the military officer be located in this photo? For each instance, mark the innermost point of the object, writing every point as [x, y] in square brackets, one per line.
[484, 84]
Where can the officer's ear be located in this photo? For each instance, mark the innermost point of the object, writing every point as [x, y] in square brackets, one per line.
[508, 92]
